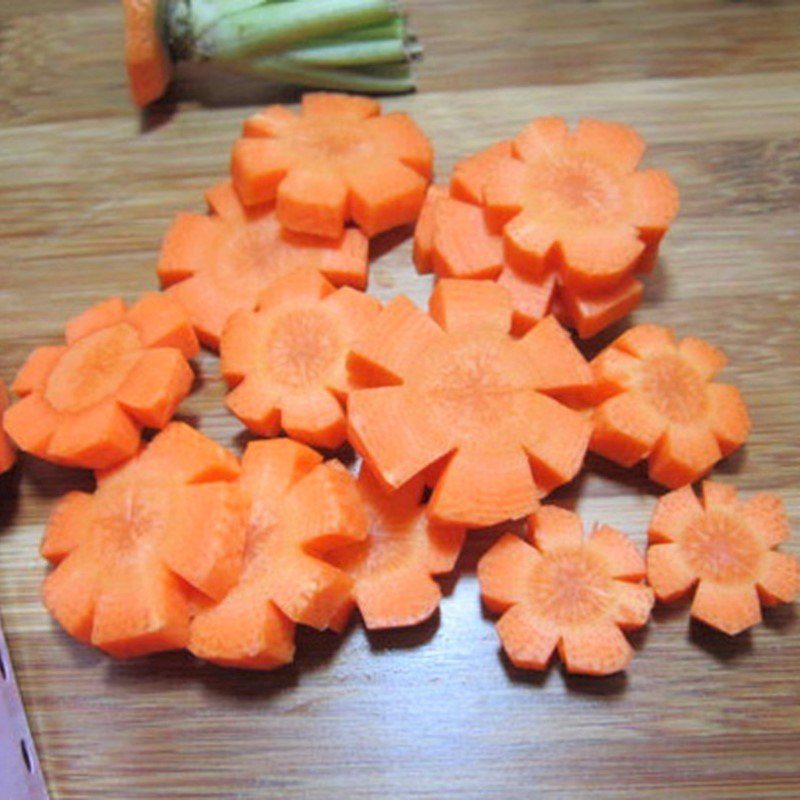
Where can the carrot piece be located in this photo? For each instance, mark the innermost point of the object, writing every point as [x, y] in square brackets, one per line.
[147, 61]
[591, 313]
[574, 202]
[298, 510]
[7, 453]
[220, 264]
[102, 315]
[424, 229]
[531, 298]
[566, 592]
[129, 556]
[302, 333]
[652, 400]
[392, 567]
[337, 160]
[84, 404]
[725, 547]
[470, 305]
[470, 174]
[465, 388]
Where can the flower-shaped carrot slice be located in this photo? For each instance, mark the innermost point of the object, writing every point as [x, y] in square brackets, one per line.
[724, 547]
[287, 358]
[567, 592]
[453, 240]
[392, 568]
[8, 454]
[338, 160]
[217, 264]
[654, 400]
[456, 384]
[164, 526]
[300, 509]
[575, 202]
[84, 403]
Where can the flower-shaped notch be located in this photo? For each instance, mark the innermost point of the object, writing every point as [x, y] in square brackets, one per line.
[653, 399]
[129, 559]
[392, 567]
[299, 509]
[339, 159]
[575, 202]
[455, 387]
[84, 403]
[563, 591]
[8, 454]
[724, 547]
[287, 359]
[217, 264]
[453, 240]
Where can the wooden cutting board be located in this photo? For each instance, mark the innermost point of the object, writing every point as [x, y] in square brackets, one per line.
[86, 191]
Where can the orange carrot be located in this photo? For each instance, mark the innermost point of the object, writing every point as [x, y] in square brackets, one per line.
[453, 240]
[725, 548]
[128, 558]
[455, 385]
[339, 159]
[287, 359]
[7, 453]
[392, 568]
[299, 509]
[574, 202]
[84, 404]
[146, 59]
[563, 591]
[653, 399]
[218, 264]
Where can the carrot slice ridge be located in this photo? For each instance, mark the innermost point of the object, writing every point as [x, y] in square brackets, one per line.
[566, 592]
[725, 547]
[8, 454]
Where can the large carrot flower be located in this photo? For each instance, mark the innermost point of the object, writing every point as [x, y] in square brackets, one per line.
[575, 202]
[219, 263]
[654, 400]
[162, 530]
[457, 397]
[298, 510]
[84, 404]
[725, 548]
[338, 160]
[565, 591]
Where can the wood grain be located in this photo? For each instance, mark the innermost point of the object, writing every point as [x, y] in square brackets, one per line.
[435, 711]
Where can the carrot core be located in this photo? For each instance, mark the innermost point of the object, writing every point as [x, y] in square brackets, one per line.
[720, 548]
[673, 388]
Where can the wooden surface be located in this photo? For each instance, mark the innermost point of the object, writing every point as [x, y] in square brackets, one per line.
[87, 189]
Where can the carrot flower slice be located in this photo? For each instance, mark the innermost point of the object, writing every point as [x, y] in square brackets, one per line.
[8, 454]
[726, 549]
[85, 403]
[166, 525]
[392, 567]
[575, 202]
[337, 160]
[286, 360]
[299, 509]
[453, 388]
[561, 590]
[454, 240]
[653, 400]
[219, 263]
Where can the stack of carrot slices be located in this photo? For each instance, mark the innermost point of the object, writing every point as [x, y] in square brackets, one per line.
[466, 416]
[563, 220]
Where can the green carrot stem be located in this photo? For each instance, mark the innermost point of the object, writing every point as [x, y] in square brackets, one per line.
[366, 79]
[274, 26]
[348, 54]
